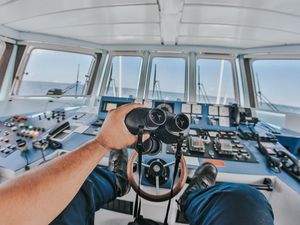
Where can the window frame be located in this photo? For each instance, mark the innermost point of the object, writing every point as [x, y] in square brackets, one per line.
[231, 59]
[153, 55]
[253, 80]
[2, 48]
[105, 80]
[25, 60]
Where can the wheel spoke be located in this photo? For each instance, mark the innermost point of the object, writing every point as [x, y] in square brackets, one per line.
[169, 164]
[157, 184]
[143, 164]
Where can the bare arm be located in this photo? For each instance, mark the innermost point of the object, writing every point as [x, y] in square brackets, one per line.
[38, 196]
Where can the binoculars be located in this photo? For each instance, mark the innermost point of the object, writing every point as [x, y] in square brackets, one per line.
[163, 127]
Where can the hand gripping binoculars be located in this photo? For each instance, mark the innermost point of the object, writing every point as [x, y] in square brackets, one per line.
[163, 127]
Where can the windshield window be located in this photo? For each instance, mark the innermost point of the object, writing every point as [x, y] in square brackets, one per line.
[124, 76]
[59, 73]
[215, 83]
[167, 79]
[277, 84]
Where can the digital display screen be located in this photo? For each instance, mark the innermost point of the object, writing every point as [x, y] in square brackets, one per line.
[110, 106]
[165, 106]
[107, 106]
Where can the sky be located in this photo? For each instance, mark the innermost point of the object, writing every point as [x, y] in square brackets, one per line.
[279, 79]
[55, 66]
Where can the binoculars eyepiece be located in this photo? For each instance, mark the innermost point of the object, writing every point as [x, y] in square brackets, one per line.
[162, 125]
[149, 119]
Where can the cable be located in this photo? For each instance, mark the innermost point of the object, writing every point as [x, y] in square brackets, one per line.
[43, 155]
[27, 167]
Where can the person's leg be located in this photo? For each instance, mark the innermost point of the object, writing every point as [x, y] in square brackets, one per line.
[102, 186]
[228, 204]
[98, 189]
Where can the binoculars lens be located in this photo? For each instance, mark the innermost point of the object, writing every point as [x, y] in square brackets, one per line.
[156, 117]
[181, 121]
[151, 146]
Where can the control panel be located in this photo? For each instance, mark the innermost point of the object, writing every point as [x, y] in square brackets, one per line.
[225, 133]
[17, 132]
[106, 104]
[224, 145]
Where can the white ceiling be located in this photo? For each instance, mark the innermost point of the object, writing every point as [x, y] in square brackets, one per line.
[226, 23]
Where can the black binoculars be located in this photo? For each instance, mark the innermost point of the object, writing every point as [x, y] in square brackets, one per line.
[162, 126]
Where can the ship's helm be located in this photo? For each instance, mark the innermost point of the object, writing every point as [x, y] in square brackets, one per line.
[163, 127]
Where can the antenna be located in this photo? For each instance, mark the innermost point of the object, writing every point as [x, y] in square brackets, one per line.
[156, 85]
[205, 96]
[87, 79]
[154, 81]
[112, 82]
[263, 98]
[258, 87]
[199, 84]
[77, 79]
[201, 88]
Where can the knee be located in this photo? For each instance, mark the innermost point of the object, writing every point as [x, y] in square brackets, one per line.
[242, 191]
[245, 195]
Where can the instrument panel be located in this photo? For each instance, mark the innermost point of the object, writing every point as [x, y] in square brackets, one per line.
[220, 145]
[19, 132]
[216, 133]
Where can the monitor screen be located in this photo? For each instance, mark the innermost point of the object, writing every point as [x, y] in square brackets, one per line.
[107, 106]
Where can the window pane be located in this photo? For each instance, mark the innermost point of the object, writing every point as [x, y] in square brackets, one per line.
[124, 76]
[167, 79]
[215, 84]
[56, 73]
[277, 84]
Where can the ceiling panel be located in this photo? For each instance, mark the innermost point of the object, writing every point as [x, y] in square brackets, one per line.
[222, 42]
[131, 40]
[24, 9]
[228, 23]
[151, 29]
[240, 16]
[239, 32]
[3, 2]
[284, 6]
[105, 15]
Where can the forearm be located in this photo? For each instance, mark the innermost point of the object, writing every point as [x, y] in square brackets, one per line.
[38, 196]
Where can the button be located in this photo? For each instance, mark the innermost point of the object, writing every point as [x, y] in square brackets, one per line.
[15, 128]
[240, 146]
[13, 147]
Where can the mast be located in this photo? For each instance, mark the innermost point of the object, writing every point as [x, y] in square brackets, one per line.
[258, 88]
[77, 80]
[156, 86]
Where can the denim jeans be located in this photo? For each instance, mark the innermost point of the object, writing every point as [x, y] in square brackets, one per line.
[99, 188]
[224, 204]
[228, 204]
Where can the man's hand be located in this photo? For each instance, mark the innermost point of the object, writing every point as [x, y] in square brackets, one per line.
[114, 133]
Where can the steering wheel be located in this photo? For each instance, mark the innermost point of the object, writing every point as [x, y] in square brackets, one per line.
[157, 168]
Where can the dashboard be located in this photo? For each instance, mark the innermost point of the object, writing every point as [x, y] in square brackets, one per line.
[226, 135]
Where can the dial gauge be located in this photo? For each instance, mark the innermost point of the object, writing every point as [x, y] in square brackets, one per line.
[166, 107]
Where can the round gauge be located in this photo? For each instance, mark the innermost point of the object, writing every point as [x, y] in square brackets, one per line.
[165, 107]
